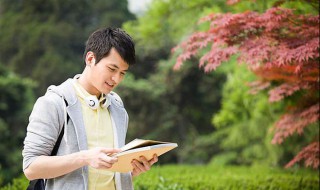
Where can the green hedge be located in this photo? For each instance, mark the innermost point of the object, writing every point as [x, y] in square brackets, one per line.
[186, 177]
[20, 183]
[226, 178]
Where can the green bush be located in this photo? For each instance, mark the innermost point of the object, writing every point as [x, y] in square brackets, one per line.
[20, 183]
[187, 177]
[183, 177]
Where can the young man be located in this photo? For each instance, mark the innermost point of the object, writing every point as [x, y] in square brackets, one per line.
[97, 123]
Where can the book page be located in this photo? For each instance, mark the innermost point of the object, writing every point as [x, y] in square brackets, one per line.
[137, 143]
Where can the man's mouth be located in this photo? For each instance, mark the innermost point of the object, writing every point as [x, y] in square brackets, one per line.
[111, 85]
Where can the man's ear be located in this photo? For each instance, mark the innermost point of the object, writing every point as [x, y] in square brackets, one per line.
[90, 58]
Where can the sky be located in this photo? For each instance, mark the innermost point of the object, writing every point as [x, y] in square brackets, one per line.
[138, 6]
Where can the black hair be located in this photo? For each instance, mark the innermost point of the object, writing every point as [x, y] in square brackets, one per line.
[101, 41]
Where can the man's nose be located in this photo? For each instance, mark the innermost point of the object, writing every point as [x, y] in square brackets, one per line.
[116, 78]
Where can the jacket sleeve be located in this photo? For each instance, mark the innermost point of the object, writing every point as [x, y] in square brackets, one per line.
[43, 128]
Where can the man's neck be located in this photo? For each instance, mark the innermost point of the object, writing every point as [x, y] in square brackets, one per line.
[87, 86]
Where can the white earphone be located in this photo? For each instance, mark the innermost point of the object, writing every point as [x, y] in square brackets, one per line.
[94, 103]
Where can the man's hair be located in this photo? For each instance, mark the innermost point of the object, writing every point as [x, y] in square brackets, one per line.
[101, 41]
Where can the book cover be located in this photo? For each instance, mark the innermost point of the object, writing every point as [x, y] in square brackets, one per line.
[137, 148]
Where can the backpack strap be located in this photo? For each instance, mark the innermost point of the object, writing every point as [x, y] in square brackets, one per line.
[57, 145]
[39, 184]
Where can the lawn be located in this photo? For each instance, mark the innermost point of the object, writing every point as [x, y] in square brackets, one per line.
[176, 177]
[206, 177]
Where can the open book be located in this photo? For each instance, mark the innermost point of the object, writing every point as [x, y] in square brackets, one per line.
[137, 148]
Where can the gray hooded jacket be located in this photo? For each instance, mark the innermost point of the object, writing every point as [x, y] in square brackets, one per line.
[46, 122]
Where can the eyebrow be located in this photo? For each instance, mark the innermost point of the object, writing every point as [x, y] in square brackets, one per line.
[116, 66]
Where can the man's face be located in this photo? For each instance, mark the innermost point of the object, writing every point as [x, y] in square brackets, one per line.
[107, 74]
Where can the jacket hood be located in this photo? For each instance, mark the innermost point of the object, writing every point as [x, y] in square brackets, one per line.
[64, 90]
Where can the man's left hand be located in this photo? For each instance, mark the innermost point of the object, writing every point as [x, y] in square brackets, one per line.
[142, 165]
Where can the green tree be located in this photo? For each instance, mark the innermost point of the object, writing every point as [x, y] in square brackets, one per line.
[162, 26]
[243, 124]
[159, 103]
[16, 100]
[244, 119]
[281, 47]
[44, 40]
[162, 108]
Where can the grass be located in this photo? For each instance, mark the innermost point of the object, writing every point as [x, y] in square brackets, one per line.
[188, 177]
[206, 177]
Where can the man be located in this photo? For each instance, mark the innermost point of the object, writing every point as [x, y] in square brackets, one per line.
[97, 123]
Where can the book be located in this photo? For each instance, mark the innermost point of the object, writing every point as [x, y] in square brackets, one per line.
[137, 148]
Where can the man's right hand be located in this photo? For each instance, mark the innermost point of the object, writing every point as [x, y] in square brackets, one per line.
[100, 158]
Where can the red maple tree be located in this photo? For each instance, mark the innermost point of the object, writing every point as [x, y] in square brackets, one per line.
[280, 47]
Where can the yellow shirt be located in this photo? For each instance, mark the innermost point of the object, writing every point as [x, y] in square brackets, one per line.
[99, 134]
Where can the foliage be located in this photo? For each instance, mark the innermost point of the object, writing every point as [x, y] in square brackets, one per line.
[164, 24]
[16, 100]
[187, 177]
[243, 115]
[17, 184]
[282, 48]
[44, 39]
[301, 6]
[237, 178]
[159, 103]
[172, 108]
[242, 135]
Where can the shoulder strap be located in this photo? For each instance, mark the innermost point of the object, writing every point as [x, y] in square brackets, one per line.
[41, 183]
[57, 145]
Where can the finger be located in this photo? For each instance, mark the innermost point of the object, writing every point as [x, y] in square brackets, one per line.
[145, 162]
[154, 159]
[134, 172]
[108, 159]
[110, 150]
[105, 166]
[138, 166]
[102, 165]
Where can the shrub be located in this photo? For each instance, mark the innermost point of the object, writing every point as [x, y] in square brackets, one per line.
[183, 177]
[206, 177]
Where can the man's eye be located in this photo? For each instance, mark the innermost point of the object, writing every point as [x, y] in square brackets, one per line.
[122, 74]
[111, 69]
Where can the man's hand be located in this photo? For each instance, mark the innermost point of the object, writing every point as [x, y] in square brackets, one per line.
[100, 158]
[143, 165]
